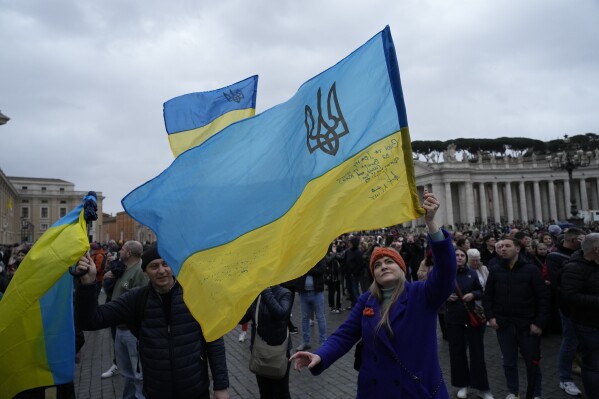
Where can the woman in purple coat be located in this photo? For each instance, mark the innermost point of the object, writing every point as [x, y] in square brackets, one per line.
[396, 321]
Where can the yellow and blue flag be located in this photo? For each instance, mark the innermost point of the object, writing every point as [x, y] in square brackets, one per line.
[259, 203]
[192, 118]
[37, 333]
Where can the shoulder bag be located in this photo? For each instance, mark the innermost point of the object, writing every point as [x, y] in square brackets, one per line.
[268, 361]
[476, 316]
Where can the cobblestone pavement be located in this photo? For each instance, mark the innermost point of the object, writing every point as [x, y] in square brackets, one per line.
[338, 382]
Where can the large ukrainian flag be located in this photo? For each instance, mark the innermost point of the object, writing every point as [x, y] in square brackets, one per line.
[192, 118]
[37, 335]
[258, 203]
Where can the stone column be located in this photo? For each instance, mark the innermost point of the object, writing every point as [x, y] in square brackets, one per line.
[483, 202]
[537, 201]
[509, 202]
[552, 202]
[496, 214]
[449, 204]
[469, 202]
[439, 192]
[523, 210]
[584, 198]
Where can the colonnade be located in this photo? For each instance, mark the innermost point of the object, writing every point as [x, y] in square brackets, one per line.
[474, 194]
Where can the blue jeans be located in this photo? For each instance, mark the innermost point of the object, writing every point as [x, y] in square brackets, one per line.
[588, 337]
[510, 339]
[567, 349]
[312, 302]
[125, 348]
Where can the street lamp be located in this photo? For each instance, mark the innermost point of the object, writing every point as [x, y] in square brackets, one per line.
[3, 119]
[569, 160]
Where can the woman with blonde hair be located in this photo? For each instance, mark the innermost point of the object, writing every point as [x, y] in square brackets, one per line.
[396, 321]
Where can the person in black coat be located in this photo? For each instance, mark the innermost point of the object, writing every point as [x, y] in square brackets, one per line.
[580, 291]
[462, 336]
[172, 350]
[515, 302]
[273, 320]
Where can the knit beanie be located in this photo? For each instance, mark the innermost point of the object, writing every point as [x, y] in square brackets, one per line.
[379, 252]
[149, 255]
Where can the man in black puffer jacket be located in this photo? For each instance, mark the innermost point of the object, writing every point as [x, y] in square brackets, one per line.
[515, 302]
[580, 290]
[174, 355]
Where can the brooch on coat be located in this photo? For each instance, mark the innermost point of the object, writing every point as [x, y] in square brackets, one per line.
[368, 312]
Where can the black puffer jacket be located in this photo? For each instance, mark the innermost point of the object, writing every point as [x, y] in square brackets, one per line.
[273, 315]
[173, 352]
[517, 296]
[455, 312]
[580, 290]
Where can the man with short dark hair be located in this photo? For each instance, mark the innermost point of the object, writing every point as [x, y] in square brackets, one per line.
[515, 302]
[580, 290]
[556, 262]
[487, 252]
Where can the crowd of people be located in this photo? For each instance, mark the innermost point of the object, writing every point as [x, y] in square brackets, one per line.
[396, 285]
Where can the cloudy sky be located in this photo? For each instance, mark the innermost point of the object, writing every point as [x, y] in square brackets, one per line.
[84, 82]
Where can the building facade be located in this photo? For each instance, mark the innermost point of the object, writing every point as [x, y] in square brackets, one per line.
[507, 190]
[9, 223]
[38, 203]
[122, 227]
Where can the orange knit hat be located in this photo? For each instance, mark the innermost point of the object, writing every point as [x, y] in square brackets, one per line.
[379, 252]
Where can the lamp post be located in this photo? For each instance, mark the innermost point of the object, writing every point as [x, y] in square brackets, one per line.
[569, 160]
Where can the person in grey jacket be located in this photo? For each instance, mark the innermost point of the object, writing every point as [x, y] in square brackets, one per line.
[173, 353]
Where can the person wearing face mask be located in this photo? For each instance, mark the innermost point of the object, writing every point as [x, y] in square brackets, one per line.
[462, 336]
[396, 321]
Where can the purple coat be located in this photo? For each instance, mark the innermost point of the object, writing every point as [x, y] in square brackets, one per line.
[406, 366]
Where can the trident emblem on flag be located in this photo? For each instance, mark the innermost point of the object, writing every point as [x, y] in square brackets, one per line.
[326, 137]
[236, 95]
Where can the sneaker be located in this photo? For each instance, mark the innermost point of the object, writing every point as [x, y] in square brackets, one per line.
[293, 331]
[111, 372]
[463, 393]
[486, 395]
[303, 347]
[570, 388]
[512, 396]
[242, 336]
